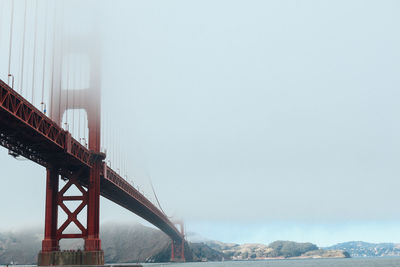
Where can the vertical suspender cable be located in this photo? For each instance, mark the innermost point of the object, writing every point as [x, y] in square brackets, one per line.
[105, 122]
[115, 156]
[53, 62]
[11, 37]
[2, 15]
[101, 133]
[73, 95]
[124, 162]
[44, 57]
[61, 66]
[23, 50]
[112, 144]
[34, 52]
[119, 154]
[108, 137]
[67, 88]
[68, 68]
[2, 3]
[116, 151]
[80, 97]
[85, 122]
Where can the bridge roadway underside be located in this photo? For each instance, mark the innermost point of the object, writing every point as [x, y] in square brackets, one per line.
[20, 138]
[112, 192]
[28, 132]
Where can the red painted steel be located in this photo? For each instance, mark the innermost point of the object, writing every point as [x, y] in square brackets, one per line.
[26, 131]
[89, 99]
[55, 199]
[178, 251]
[178, 247]
[30, 133]
[93, 243]
[118, 190]
[72, 216]
[50, 242]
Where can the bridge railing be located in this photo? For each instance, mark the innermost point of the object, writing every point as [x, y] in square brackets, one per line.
[18, 106]
[18, 109]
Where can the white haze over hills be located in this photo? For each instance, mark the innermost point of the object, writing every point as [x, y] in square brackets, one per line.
[255, 120]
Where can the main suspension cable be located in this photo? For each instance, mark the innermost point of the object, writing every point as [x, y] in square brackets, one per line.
[155, 195]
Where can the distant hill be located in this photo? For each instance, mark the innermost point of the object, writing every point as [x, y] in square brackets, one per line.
[277, 249]
[129, 243]
[364, 249]
[123, 243]
[20, 247]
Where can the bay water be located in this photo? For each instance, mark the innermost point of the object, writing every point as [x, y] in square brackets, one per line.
[352, 262]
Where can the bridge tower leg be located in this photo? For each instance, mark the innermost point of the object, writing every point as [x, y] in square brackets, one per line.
[92, 242]
[178, 247]
[50, 242]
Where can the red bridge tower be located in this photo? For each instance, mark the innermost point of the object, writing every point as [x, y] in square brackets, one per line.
[62, 100]
[178, 247]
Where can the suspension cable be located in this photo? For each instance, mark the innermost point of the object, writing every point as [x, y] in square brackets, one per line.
[80, 97]
[85, 122]
[23, 51]
[101, 131]
[155, 195]
[73, 96]
[68, 74]
[2, 4]
[53, 62]
[124, 162]
[44, 56]
[2, 16]
[61, 67]
[34, 52]
[11, 37]
[67, 88]
[117, 150]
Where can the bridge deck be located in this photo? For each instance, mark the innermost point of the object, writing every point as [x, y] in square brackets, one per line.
[27, 131]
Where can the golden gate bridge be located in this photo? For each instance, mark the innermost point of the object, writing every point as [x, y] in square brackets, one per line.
[50, 113]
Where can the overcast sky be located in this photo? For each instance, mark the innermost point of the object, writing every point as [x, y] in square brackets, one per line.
[255, 120]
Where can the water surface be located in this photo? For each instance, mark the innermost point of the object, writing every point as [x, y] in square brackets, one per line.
[356, 262]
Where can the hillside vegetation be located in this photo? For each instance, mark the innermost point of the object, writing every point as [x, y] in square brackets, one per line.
[364, 249]
[277, 249]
